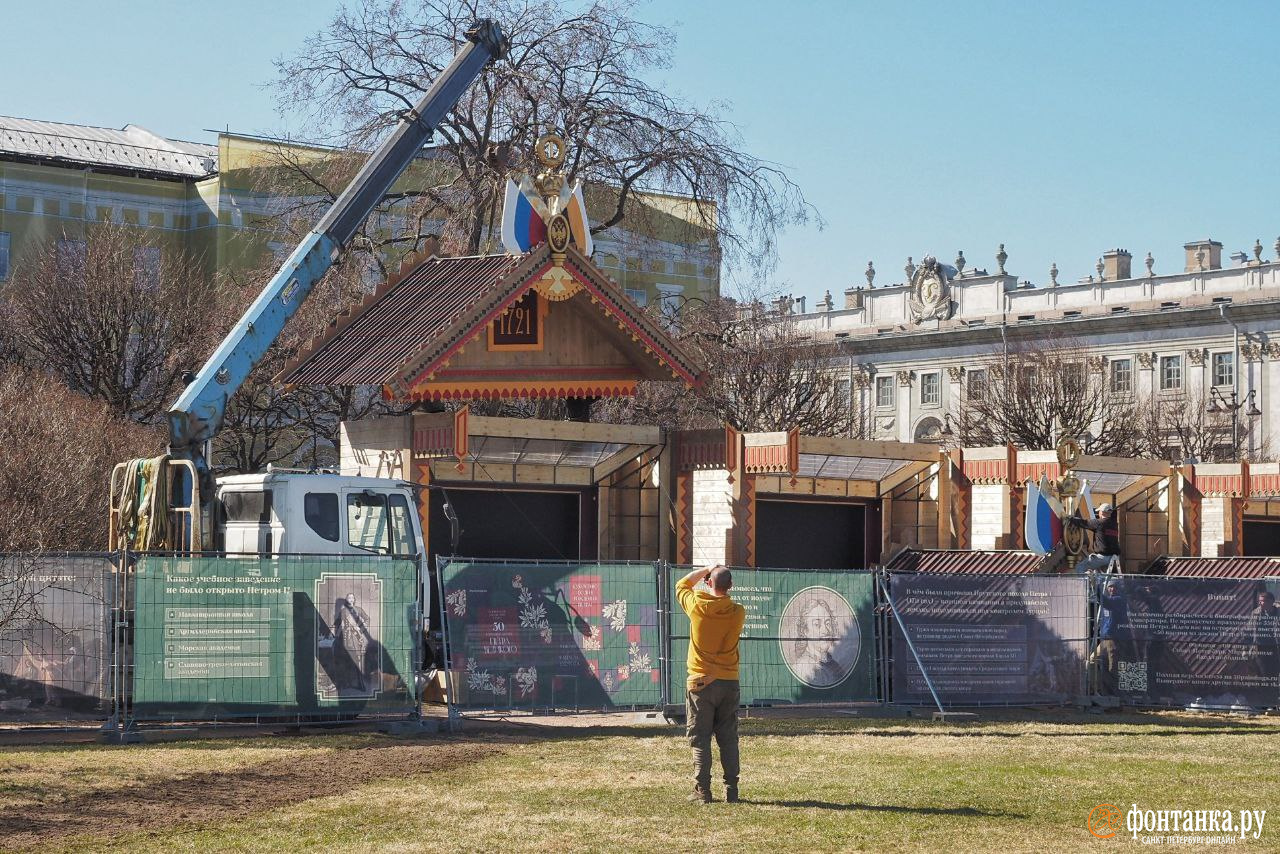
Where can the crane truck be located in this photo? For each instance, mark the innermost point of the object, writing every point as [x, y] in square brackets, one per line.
[282, 511]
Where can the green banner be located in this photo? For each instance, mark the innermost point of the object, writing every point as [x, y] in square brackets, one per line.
[808, 637]
[228, 637]
[566, 636]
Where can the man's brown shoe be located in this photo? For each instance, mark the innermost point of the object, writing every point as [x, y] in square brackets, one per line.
[700, 795]
[731, 794]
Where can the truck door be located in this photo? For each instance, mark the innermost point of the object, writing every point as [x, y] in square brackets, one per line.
[381, 523]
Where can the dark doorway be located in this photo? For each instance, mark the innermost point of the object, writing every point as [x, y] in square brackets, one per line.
[505, 524]
[1262, 537]
[508, 523]
[810, 535]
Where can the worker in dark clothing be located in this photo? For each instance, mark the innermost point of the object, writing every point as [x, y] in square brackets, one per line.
[1113, 631]
[1106, 531]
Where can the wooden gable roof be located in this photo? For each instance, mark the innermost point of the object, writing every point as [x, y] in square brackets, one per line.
[428, 334]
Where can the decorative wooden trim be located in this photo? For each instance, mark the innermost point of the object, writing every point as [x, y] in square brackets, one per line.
[986, 471]
[732, 451]
[701, 449]
[422, 477]
[684, 517]
[793, 454]
[765, 453]
[1263, 485]
[461, 438]
[523, 389]
[432, 439]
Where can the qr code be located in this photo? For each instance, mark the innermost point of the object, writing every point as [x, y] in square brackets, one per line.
[1133, 677]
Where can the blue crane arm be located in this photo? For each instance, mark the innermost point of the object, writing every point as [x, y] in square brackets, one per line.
[197, 414]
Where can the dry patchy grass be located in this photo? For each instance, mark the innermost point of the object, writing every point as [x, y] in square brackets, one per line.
[811, 785]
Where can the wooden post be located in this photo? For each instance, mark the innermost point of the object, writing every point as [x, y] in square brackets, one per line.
[605, 539]
[1173, 497]
[886, 526]
[667, 512]
[946, 534]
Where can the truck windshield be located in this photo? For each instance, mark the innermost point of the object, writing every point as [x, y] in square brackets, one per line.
[380, 523]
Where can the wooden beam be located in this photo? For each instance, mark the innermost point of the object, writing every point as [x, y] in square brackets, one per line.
[612, 463]
[1123, 465]
[864, 448]
[565, 431]
[904, 474]
[764, 440]
[1135, 489]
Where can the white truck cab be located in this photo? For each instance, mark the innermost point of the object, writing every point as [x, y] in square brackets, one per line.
[284, 511]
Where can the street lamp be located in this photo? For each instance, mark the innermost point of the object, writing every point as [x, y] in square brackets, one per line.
[1220, 403]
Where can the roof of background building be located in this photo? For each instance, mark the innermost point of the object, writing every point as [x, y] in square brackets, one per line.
[131, 148]
[966, 561]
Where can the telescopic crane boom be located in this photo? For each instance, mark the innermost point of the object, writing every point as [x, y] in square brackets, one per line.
[197, 415]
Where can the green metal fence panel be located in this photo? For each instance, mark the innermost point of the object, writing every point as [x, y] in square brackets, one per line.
[809, 636]
[552, 635]
[55, 637]
[292, 636]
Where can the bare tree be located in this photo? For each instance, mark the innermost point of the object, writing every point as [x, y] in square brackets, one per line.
[1042, 390]
[580, 68]
[267, 423]
[59, 448]
[115, 317]
[21, 584]
[760, 372]
[1182, 427]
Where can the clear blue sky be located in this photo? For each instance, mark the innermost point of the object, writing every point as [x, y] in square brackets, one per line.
[1060, 130]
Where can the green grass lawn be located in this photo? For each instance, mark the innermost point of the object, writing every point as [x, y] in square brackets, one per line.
[810, 785]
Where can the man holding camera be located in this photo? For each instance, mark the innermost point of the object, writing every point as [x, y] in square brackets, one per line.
[712, 694]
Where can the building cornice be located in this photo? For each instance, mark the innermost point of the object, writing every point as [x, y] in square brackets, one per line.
[1073, 327]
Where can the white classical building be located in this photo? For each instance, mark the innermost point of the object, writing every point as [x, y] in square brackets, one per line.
[913, 348]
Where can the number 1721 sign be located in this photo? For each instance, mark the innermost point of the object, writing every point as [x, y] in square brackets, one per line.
[519, 326]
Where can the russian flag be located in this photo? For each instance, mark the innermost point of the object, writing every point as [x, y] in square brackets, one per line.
[576, 211]
[522, 224]
[1043, 525]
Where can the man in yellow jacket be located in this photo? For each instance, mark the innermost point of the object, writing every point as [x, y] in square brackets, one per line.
[712, 695]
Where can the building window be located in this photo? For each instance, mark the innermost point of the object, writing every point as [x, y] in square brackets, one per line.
[4, 255]
[1073, 379]
[1122, 376]
[146, 267]
[1170, 373]
[844, 392]
[670, 301]
[930, 389]
[977, 384]
[638, 296]
[70, 260]
[884, 392]
[1224, 369]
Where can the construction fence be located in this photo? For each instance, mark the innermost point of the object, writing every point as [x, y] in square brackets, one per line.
[126, 638]
[568, 636]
